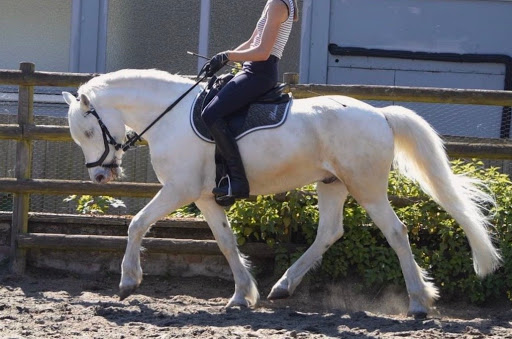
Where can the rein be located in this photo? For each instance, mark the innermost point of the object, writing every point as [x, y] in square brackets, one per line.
[109, 140]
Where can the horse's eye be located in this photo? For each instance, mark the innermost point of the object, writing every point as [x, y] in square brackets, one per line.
[89, 133]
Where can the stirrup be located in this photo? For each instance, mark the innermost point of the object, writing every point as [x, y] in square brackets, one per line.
[230, 191]
[225, 200]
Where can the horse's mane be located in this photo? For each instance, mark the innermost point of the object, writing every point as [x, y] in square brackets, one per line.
[120, 77]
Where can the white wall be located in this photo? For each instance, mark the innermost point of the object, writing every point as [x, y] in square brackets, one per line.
[35, 31]
[456, 26]
[435, 26]
[449, 26]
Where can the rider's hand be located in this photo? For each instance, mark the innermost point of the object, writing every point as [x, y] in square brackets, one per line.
[214, 65]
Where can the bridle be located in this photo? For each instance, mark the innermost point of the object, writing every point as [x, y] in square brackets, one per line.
[108, 139]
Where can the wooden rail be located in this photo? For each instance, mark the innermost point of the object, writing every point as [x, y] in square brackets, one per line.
[463, 147]
[26, 131]
[57, 79]
[408, 94]
[483, 148]
[118, 244]
[363, 92]
[61, 187]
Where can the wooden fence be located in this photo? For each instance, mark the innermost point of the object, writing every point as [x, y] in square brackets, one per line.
[25, 131]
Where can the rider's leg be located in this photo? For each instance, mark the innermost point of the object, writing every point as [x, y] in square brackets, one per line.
[236, 94]
[237, 185]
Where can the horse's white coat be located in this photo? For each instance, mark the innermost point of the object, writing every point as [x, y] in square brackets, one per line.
[324, 137]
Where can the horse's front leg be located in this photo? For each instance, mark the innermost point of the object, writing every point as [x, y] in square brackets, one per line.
[165, 201]
[246, 292]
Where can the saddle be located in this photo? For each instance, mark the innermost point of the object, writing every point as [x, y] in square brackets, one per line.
[268, 111]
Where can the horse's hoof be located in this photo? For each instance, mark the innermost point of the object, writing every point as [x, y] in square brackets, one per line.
[237, 303]
[417, 315]
[278, 293]
[125, 292]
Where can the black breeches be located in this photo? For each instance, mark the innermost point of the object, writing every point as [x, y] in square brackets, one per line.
[256, 79]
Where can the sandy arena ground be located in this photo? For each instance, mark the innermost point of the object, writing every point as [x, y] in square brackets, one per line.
[48, 304]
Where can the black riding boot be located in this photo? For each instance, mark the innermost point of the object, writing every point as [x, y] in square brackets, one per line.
[236, 185]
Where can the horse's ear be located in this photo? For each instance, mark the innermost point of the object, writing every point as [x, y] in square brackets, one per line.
[85, 102]
[68, 97]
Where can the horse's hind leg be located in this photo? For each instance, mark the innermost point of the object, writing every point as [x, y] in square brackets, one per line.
[246, 292]
[331, 198]
[422, 292]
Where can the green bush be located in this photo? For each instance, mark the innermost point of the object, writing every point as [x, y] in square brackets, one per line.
[438, 243]
[88, 204]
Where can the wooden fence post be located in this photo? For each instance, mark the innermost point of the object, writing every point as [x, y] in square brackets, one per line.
[23, 171]
[291, 78]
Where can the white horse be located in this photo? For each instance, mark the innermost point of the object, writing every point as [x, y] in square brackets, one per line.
[342, 144]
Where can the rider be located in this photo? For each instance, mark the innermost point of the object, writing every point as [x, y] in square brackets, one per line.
[261, 54]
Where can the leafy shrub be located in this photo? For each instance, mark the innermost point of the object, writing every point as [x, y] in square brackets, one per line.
[187, 211]
[437, 241]
[88, 204]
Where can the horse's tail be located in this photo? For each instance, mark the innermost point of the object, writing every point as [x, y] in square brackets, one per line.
[420, 155]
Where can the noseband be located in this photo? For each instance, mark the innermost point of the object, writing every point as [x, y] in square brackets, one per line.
[109, 140]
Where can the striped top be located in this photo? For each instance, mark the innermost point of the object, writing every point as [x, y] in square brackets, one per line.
[284, 30]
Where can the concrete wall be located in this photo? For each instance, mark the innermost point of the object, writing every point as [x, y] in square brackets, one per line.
[140, 34]
[36, 31]
[153, 34]
[232, 25]
[158, 33]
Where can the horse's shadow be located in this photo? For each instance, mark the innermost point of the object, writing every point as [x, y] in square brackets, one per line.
[333, 323]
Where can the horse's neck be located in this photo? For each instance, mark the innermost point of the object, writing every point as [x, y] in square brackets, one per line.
[140, 105]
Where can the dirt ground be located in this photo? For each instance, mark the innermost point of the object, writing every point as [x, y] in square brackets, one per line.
[50, 304]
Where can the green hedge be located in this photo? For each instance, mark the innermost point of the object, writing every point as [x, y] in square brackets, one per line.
[438, 243]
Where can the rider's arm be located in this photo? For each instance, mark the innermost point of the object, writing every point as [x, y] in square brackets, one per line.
[277, 14]
[248, 43]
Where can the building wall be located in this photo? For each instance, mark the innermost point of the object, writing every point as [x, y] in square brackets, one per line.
[153, 34]
[453, 26]
[140, 34]
[456, 26]
[35, 31]
[232, 25]
[432, 26]
[157, 35]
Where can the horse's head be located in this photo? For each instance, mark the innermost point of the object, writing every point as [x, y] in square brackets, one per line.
[98, 134]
